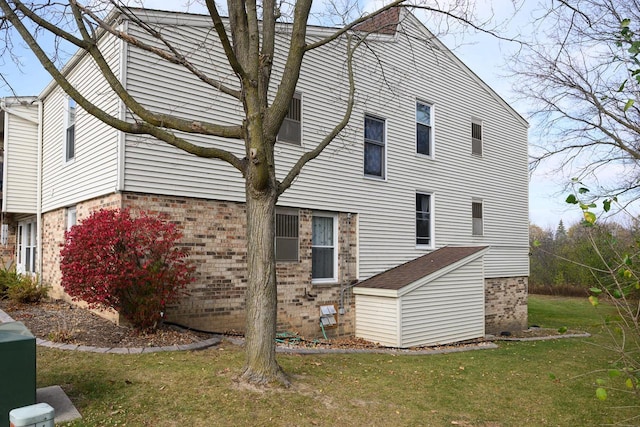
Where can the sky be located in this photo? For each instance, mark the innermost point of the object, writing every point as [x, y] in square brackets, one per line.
[482, 53]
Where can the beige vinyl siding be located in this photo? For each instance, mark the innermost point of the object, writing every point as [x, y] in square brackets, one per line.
[447, 309]
[335, 180]
[19, 193]
[93, 172]
[377, 319]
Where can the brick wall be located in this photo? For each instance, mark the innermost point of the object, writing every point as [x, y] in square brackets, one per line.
[8, 251]
[54, 224]
[214, 232]
[505, 304]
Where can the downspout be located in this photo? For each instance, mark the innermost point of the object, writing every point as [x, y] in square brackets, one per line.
[39, 195]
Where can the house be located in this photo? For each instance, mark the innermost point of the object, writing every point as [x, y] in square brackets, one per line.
[432, 158]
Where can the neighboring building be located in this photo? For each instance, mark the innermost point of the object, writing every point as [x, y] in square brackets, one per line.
[432, 157]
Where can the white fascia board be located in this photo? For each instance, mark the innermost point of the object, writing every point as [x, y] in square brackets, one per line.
[376, 292]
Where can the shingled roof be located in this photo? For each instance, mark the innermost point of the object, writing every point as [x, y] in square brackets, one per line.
[407, 273]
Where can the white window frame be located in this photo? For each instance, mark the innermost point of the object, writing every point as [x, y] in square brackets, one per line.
[473, 218]
[383, 145]
[334, 218]
[297, 96]
[432, 133]
[71, 217]
[69, 104]
[480, 140]
[431, 244]
[27, 246]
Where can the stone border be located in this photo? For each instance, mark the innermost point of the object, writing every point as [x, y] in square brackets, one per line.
[201, 345]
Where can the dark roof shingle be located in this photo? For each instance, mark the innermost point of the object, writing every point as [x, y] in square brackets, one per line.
[404, 274]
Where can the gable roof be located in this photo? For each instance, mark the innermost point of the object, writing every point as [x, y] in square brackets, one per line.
[409, 272]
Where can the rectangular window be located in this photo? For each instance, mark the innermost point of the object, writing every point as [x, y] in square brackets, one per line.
[423, 219]
[291, 128]
[286, 236]
[476, 138]
[70, 134]
[71, 217]
[26, 247]
[374, 147]
[424, 127]
[476, 215]
[323, 250]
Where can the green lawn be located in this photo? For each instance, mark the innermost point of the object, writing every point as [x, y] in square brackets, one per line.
[509, 386]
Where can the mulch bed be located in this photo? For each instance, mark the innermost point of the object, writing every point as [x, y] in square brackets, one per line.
[59, 321]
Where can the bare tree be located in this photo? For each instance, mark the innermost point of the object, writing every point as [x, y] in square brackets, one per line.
[577, 71]
[248, 38]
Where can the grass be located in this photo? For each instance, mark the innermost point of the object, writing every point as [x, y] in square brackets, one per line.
[510, 386]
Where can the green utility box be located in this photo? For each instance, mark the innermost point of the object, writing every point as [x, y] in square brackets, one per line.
[17, 369]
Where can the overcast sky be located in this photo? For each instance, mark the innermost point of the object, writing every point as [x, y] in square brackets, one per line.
[484, 54]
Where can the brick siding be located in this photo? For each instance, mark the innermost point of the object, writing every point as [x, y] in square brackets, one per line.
[505, 304]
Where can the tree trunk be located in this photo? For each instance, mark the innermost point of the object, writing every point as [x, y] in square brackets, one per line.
[261, 366]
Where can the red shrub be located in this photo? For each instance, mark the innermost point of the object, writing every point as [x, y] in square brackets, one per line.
[113, 260]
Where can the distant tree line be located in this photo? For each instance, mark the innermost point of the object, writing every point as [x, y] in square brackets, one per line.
[571, 261]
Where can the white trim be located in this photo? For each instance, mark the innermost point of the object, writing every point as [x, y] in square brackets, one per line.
[334, 217]
[432, 221]
[385, 150]
[39, 192]
[71, 212]
[121, 147]
[66, 108]
[5, 158]
[432, 134]
[480, 122]
[481, 202]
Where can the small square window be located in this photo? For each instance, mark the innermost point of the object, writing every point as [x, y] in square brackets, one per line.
[71, 217]
[291, 128]
[476, 138]
[287, 236]
[476, 217]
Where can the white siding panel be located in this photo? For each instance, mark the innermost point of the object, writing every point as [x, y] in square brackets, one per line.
[377, 319]
[93, 172]
[447, 309]
[334, 181]
[21, 159]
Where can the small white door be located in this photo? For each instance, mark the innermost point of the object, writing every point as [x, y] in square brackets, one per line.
[26, 247]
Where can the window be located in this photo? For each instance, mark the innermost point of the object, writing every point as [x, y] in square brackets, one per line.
[286, 235]
[424, 139]
[476, 215]
[291, 129]
[323, 251]
[476, 138]
[374, 147]
[423, 219]
[71, 217]
[26, 247]
[70, 133]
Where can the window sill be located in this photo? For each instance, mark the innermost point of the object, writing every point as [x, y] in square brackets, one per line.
[424, 247]
[425, 156]
[375, 178]
[324, 282]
